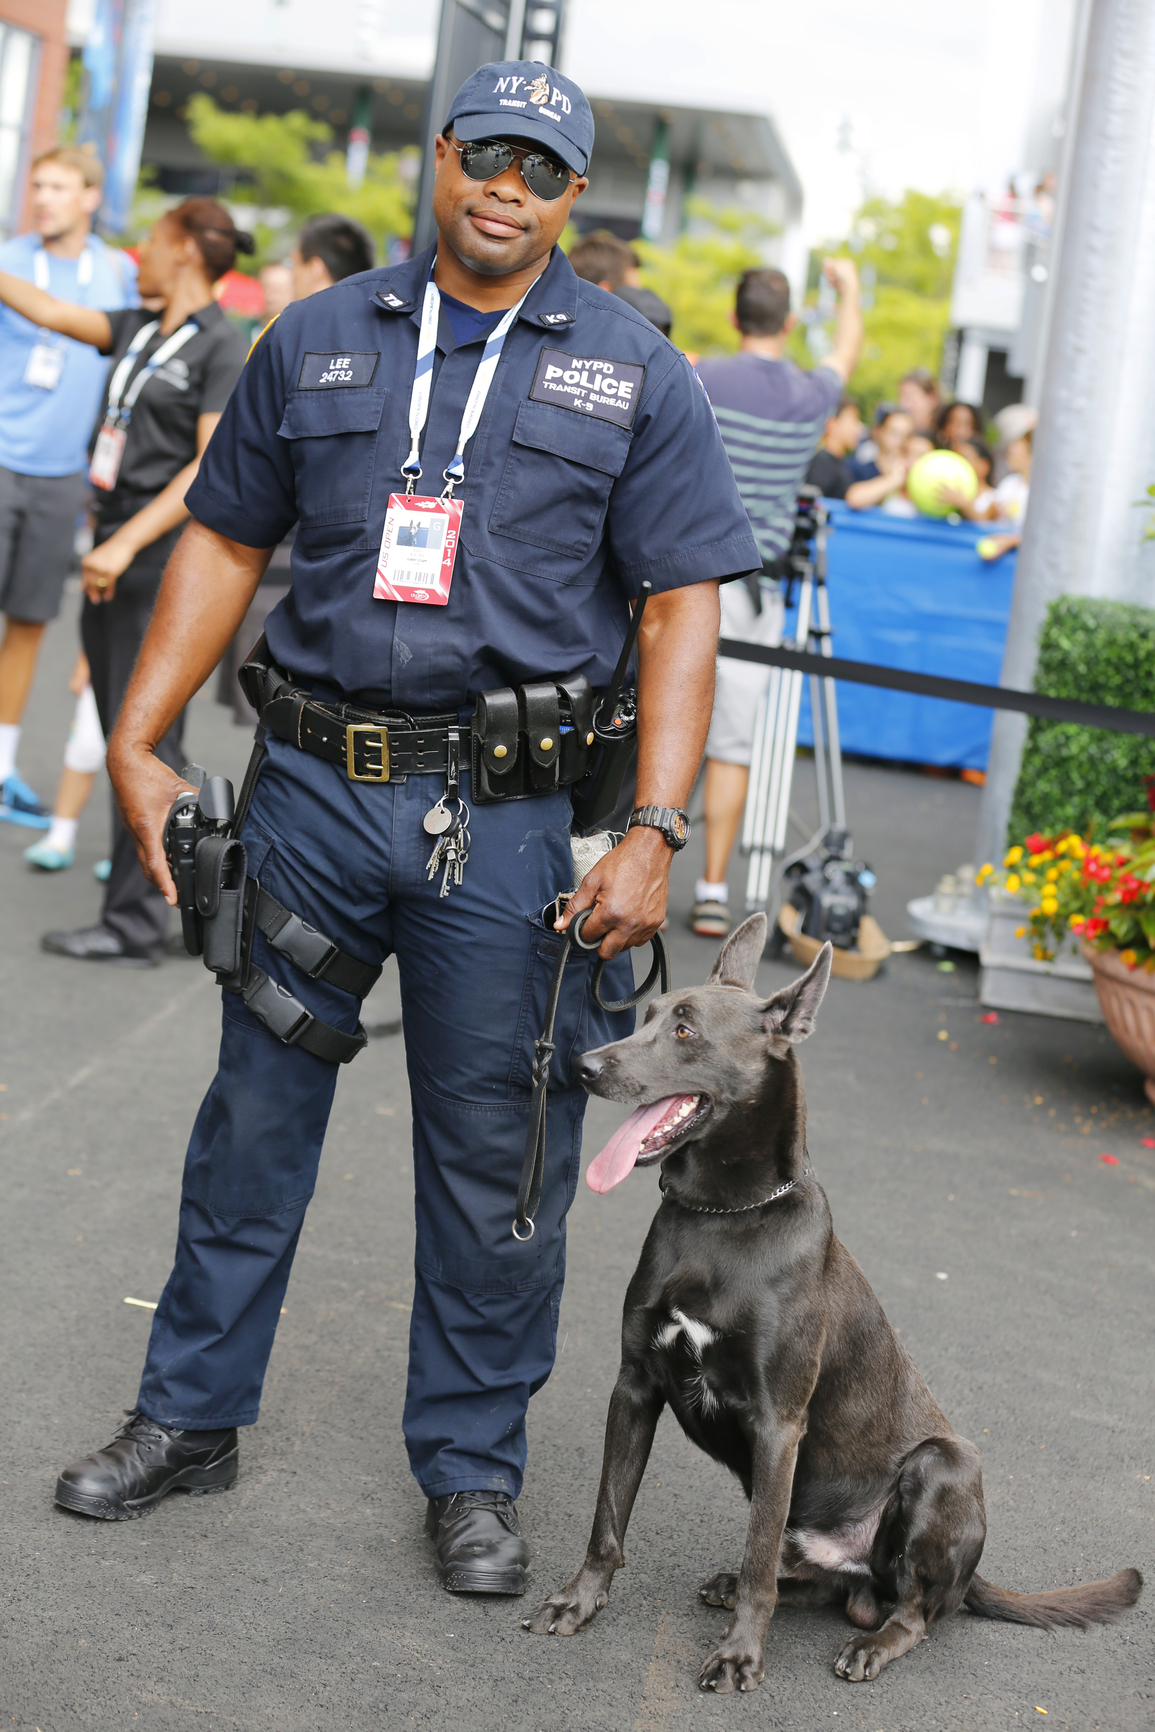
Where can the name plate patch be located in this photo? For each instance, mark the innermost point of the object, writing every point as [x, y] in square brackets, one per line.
[590, 385]
[328, 371]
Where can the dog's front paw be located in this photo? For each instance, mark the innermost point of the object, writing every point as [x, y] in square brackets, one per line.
[861, 1659]
[570, 1609]
[737, 1663]
[720, 1590]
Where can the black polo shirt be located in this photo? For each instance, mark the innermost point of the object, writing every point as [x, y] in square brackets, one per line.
[162, 431]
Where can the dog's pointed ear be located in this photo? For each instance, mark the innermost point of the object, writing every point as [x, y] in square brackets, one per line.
[739, 957]
[789, 1016]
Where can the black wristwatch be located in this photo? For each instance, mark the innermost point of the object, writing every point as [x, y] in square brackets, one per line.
[670, 820]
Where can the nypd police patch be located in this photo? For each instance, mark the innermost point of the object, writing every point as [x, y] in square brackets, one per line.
[589, 385]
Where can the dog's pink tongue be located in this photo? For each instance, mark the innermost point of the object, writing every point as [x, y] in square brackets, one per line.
[617, 1158]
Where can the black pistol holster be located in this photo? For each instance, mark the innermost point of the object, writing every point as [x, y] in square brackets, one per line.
[222, 908]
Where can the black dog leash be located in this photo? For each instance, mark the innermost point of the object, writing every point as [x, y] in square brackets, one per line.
[533, 1166]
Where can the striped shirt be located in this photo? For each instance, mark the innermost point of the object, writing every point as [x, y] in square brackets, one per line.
[771, 415]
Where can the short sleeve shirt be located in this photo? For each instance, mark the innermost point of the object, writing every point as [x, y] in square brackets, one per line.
[771, 414]
[571, 499]
[162, 429]
[46, 432]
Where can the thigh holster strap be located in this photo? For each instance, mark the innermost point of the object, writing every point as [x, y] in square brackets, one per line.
[286, 1017]
[310, 951]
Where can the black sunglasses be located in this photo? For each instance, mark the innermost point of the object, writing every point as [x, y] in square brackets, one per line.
[489, 157]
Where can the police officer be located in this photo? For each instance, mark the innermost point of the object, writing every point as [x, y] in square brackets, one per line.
[561, 453]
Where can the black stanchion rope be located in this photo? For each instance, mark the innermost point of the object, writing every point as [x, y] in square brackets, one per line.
[934, 686]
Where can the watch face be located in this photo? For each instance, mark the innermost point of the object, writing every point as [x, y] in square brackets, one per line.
[680, 826]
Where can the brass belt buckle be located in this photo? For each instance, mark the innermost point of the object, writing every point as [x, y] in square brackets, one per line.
[382, 741]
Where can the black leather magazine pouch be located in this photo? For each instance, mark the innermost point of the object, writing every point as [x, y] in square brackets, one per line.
[498, 772]
[220, 895]
[540, 721]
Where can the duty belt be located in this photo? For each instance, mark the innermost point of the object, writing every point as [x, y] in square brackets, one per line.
[370, 747]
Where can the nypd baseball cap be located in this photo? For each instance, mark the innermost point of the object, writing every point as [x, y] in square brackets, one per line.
[525, 99]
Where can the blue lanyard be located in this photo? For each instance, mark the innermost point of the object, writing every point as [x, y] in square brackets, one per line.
[454, 475]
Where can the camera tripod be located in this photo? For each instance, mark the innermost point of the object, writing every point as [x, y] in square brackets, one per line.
[776, 731]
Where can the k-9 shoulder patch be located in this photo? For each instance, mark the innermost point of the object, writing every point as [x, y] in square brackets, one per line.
[607, 390]
[328, 370]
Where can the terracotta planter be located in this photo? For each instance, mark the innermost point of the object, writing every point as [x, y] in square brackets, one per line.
[1127, 997]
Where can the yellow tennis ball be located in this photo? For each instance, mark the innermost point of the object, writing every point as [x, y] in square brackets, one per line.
[940, 469]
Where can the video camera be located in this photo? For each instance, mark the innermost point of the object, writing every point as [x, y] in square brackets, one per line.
[830, 890]
[208, 868]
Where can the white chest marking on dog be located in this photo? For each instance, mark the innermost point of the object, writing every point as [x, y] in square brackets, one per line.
[699, 1335]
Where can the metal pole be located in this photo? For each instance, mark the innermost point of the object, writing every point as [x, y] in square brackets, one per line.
[1095, 447]
[469, 35]
[768, 827]
[830, 698]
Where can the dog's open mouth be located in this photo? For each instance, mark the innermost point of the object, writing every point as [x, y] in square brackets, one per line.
[645, 1137]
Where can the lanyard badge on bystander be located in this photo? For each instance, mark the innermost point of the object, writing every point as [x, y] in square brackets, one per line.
[419, 542]
[46, 359]
[109, 448]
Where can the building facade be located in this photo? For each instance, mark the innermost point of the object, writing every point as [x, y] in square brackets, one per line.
[33, 62]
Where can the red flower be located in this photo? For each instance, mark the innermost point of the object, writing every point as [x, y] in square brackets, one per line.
[1037, 844]
[1111, 1160]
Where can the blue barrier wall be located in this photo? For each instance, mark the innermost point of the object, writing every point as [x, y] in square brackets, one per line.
[913, 593]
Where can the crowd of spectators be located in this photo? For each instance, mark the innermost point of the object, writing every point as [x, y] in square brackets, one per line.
[869, 469]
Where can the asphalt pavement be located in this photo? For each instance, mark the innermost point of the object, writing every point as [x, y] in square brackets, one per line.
[966, 1174]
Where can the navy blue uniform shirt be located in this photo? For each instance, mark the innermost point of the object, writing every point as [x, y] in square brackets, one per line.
[574, 494]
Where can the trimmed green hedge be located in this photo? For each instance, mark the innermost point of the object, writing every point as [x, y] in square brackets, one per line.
[1102, 652]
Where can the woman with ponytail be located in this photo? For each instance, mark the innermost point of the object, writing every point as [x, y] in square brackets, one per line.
[173, 370]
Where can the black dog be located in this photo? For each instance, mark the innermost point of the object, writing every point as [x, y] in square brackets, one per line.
[761, 1331]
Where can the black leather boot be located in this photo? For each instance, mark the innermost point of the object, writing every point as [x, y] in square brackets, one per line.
[142, 1464]
[478, 1543]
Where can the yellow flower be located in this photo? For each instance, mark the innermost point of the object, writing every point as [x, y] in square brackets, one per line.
[1049, 906]
[1020, 932]
[1077, 922]
[1028, 877]
[983, 873]
[1013, 880]
[1062, 844]
[1052, 874]
[1013, 857]
[1129, 957]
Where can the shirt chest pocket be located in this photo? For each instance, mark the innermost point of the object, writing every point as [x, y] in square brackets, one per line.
[556, 486]
[333, 438]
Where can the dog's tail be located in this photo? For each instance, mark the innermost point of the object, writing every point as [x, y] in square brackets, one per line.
[1078, 1608]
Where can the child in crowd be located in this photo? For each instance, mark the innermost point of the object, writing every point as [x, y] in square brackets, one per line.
[900, 504]
[829, 470]
[1013, 490]
[984, 506]
[893, 428]
[1011, 495]
[956, 424]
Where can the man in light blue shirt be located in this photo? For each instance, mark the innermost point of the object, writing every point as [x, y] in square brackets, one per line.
[50, 395]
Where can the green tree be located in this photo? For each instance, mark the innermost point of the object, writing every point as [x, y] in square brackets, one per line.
[697, 275]
[905, 250]
[284, 165]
